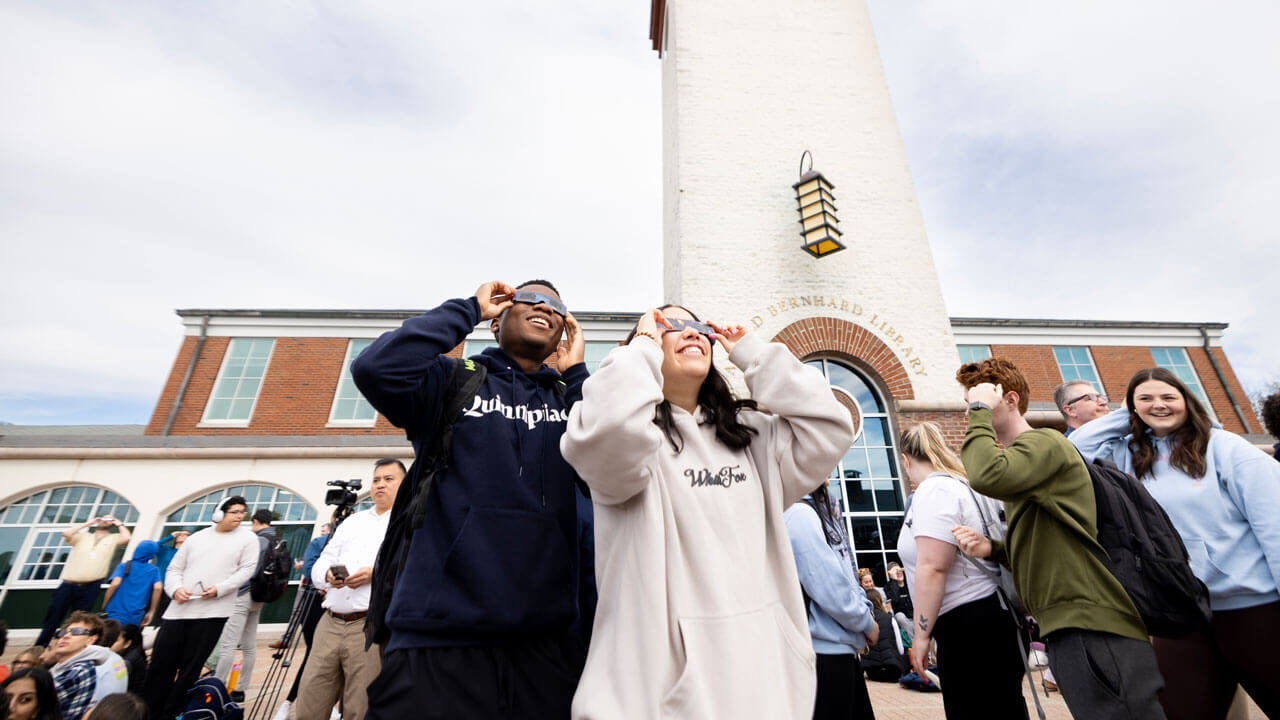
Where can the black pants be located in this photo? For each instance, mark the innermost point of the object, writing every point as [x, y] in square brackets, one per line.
[1104, 676]
[979, 663]
[313, 613]
[179, 652]
[532, 680]
[67, 598]
[842, 691]
[1201, 670]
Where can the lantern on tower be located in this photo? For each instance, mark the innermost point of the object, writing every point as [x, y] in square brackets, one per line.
[819, 225]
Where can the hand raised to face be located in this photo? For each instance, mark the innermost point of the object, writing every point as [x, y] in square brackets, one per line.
[652, 324]
[494, 297]
[728, 335]
[573, 349]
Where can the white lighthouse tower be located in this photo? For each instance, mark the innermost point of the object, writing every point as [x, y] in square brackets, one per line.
[748, 86]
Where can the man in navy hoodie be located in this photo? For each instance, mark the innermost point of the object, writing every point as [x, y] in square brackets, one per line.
[482, 615]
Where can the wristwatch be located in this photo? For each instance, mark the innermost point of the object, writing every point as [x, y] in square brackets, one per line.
[978, 405]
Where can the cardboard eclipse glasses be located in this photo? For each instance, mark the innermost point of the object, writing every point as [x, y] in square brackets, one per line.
[529, 297]
[679, 324]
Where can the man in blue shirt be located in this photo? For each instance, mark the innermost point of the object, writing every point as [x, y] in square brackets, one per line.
[136, 587]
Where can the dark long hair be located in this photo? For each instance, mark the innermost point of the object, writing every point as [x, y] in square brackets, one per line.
[716, 400]
[820, 501]
[1189, 443]
[46, 695]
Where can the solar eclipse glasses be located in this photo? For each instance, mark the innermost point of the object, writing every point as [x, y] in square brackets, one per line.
[679, 324]
[529, 297]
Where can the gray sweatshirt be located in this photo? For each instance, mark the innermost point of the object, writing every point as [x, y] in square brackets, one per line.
[211, 559]
[700, 613]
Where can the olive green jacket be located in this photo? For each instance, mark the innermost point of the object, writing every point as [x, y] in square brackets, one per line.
[1051, 545]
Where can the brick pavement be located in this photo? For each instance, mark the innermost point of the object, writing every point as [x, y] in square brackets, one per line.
[891, 702]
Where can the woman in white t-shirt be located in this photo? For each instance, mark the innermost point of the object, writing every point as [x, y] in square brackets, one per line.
[979, 666]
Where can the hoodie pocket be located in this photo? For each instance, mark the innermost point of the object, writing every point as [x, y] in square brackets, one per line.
[751, 665]
[508, 570]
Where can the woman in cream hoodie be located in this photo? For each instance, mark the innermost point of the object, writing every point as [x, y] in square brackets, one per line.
[700, 613]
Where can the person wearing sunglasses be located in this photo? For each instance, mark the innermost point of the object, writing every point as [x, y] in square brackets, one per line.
[84, 672]
[699, 598]
[1079, 403]
[480, 618]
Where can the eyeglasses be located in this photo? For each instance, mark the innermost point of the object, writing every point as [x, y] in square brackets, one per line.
[77, 632]
[1092, 397]
[529, 297]
[679, 324]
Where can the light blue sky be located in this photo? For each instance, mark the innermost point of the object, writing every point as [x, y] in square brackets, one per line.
[241, 154]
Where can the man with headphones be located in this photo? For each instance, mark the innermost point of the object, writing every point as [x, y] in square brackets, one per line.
[202, 580]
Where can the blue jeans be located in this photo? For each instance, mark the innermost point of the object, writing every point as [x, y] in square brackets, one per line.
[68, 598]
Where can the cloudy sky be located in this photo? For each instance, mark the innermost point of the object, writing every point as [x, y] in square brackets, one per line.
[390, 154]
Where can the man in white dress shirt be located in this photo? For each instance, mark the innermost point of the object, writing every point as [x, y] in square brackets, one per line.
[340, 666]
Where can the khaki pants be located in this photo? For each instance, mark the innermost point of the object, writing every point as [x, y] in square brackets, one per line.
[339, 666]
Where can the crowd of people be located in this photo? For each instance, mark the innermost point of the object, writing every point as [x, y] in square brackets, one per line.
[642, 543]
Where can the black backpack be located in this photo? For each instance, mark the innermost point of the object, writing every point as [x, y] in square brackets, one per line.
[208, 700]
[1145, 553]
[272, 577]
[411, 501]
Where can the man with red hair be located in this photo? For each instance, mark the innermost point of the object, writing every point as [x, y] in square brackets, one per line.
[1096, 640]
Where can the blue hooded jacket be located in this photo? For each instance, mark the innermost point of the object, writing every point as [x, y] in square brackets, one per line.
[137, 577]
[497, 556]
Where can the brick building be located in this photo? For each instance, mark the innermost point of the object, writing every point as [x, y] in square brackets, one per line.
[260, 402]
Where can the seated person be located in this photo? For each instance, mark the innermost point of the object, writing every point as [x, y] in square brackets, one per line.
[885, 661]
[28, 658]
[28, 694]
[129, 647]
[898, 594]
[83, 672]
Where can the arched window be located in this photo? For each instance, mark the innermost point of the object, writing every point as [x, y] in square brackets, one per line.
[292, 517]
[32, 551]
[867, 482]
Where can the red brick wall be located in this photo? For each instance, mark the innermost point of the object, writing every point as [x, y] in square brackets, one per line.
[302, 376]
[1037, 363]
[828, 335]
[295, 398]
[1117, 364]
[1218, 396]
[953, 424]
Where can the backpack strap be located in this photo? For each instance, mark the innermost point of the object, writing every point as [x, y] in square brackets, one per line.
[410, 508]
[464, 382]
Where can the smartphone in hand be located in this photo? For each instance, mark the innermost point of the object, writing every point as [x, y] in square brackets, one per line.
[339, 571]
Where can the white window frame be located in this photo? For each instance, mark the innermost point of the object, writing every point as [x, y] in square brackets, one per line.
[345, 374]
[1097, 377]
[1202, 395]
[167, 526]
[962, 345]
[205, 421]
[14, 581]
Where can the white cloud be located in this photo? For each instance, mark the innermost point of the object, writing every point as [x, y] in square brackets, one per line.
[297, 157]
[389, 154]
[1124, 153]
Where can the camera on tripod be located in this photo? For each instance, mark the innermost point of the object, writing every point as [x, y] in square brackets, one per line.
[343, 493]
